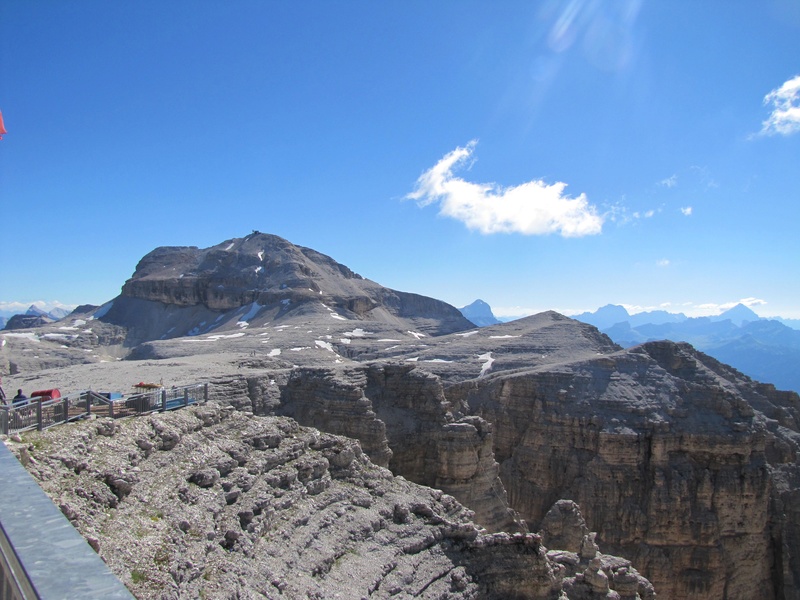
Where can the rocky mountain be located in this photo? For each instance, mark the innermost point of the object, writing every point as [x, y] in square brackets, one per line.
[764, 349]
[180, 291]
[679, 463]
[479, 313]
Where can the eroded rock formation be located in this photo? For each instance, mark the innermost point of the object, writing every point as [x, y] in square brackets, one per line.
[212, 502]
[662, 448]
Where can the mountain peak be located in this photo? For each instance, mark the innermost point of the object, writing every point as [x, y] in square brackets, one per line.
[480, 313]
[184, 290]
[738, 315]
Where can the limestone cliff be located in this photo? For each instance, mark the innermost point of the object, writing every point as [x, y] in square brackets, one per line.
[666, 453]
[400, 416]
[209, 502]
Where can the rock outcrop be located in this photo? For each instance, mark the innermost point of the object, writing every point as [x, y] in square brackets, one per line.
[213, 502]
[401, 417]
[663, 449]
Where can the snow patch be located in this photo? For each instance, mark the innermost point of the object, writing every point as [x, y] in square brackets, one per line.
[259, 268]
[261, 255]
[28, 336]
[59, 336]
[467, 333]
[299, 348]
[438, 360]
[487, 366]
[101, 312]
[274, 352]
[502, 337]
[415, 359]
[358, 332]
[416, 334]
[229, 246]
[345, 340]
[326, 345]
[220, 336]
[252, 312]
[337, 316]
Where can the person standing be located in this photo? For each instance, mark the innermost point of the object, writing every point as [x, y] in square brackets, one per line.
[20, 397]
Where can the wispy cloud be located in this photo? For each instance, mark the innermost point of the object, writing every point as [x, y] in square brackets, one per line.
[686, 210]
[669, 182]
[532, 208]
[621, 215]
[664, 262]
[785, 102]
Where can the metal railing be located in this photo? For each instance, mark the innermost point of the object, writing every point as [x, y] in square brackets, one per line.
[42, 556]
[43, 414]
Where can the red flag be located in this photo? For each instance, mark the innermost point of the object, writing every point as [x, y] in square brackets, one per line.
[2, 128]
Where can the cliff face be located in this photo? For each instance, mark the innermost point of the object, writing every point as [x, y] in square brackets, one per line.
[679, 463]
[664, 452]
[212, 502]
[400, 416]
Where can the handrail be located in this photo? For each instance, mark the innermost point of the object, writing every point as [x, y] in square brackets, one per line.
[42, 556]
[43, 414]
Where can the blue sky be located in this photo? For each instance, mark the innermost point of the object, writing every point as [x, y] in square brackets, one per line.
[537, 155]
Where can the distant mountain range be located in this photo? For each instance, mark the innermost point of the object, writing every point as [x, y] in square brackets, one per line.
[765, 349]
[33, 317]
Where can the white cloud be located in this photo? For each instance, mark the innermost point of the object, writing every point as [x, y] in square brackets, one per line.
[669, 182]
[686, 210]
[664, 262]
[785, 116]
[532, 208]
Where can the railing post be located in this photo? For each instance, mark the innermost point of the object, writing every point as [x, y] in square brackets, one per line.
[39, 424]
[111, 408]
[163, 400]
[205, 392]
[66, 409]
[186, 396]
[4, 420]
[88, 404]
